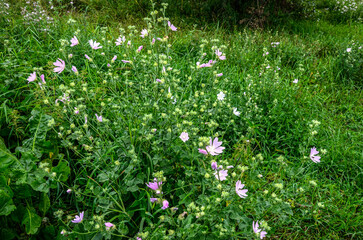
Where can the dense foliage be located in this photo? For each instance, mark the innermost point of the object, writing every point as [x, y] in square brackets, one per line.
[252, 13]
[159, 132]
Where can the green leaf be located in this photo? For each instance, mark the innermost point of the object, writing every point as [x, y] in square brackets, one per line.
[133, 188]
[6, 203]
[38, 128]
[102, 177]
[7, 234]
[132, 184]
[62, 170]
[48, 232]
[37, 181]
[6, 158]
[18, 214]
[44, 203]
[22, 191]
[28, 160]
[6, 195]
[31, 220]
[123, 229]
[97, 236]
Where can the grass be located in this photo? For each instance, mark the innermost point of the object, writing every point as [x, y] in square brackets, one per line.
[107, 164]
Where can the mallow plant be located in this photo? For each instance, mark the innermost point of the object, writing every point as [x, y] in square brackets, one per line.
[160, 145]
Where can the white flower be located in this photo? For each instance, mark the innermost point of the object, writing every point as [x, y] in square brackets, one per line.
[94, 45]
[144, 33]
[240, 191]
[221, 96]
[349, 49]
[235, 112]
[120, 40]
[274, 44]
[184, 136]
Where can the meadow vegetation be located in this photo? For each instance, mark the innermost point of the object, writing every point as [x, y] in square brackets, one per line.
[129, 123]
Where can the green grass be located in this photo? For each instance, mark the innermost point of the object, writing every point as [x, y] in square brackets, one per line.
[107, 164]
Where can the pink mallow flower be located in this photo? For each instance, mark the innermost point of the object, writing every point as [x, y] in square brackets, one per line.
[42, 78]
[214, 166]
[172, 27]
[32, 77]
[86, 56]
[165, 205]
[215, 147]
[114, 59]
[144, 33]
[125, 61]
[99, 118]
[69, 191]
[313, 157]
[139, 49]
[201, 65]
[202, 151]
[220, 55]
[74, 69]
[153, 199]
[94, 45]
[258, 231]
[184, 136]
[60, 65]
[239, 189]
[221, 175]
[155, 186]
[208, 64]
[79, 218]
[211, 62]
[108, 225]
[74, 41]
[120, 40]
